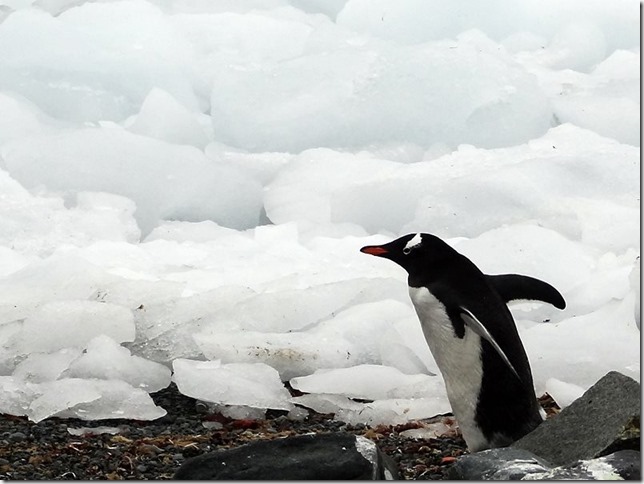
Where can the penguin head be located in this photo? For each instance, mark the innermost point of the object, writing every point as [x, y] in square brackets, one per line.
[413, 252]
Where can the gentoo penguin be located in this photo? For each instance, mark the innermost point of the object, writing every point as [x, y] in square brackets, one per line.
[472, 336]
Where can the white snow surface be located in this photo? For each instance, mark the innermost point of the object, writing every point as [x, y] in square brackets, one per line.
[185, 187]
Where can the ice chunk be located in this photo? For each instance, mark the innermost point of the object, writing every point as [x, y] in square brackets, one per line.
[109, 216]
[109, 74]
[562, 392]
[298, 193]
[291, 354]
[367, 382]
[41, 367]
[490, 199]
[353, 85]
[85, 431]
[582, 338]
[105, 359]
[92, 400]
[238, 412]
[129, 261]
[606, 224]
[189, 231]
[578, 45]
[396, 411]
[522, 250]
[60, 324]
[250, 384]
[261, 166]
[164, 118]
[60, 395]
[9, 332]
[605, 101]
[464, 193]
[19, 118]
[357, 335]
[72, 397]
[327, 403]
[15, 396]
[387, 412]
[12, 261]
[608, 282]
[165, 181]
[165, 326]
[297, 309]
[372, 328]
[415, 21]
[44, 224]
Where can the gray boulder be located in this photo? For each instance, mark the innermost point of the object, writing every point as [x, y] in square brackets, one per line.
[518, 464]
[603, 420]
[335, 456]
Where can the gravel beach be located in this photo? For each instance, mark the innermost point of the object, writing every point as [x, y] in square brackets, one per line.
[155, 450]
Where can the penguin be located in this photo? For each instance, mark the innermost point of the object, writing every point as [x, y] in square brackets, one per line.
[474, 340]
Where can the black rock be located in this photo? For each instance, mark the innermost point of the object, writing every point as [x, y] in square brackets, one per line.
[504, 463]
[321, 456]
[603, 420]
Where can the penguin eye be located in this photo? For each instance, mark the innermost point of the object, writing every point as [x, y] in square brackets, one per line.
[414, 242]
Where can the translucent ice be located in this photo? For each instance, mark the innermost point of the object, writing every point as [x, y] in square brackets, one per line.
[107, 360]
[250, 384]
[41, 367]
[163, 117]
[367, 382]
[108, 75]
[79, 398]
[190, 179]
[332, 97]
[61, 324]
[164, 180]
[93, 400]
[388, 412]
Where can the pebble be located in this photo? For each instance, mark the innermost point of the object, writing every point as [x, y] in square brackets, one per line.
[149, 449]
[17, 437]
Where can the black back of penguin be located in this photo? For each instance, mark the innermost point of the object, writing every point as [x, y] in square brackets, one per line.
[506, 405]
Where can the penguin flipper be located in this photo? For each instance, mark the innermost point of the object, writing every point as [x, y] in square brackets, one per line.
[475, 325]
[515, 286]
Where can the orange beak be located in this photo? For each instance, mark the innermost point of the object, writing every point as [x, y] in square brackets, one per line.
[374, 250]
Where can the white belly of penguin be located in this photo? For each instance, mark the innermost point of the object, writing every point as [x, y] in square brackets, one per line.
[459, 360]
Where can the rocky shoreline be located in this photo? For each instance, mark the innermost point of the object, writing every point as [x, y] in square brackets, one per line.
[604, 420]
[155, 450]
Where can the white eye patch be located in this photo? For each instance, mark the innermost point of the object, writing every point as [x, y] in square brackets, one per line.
[414, 242]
